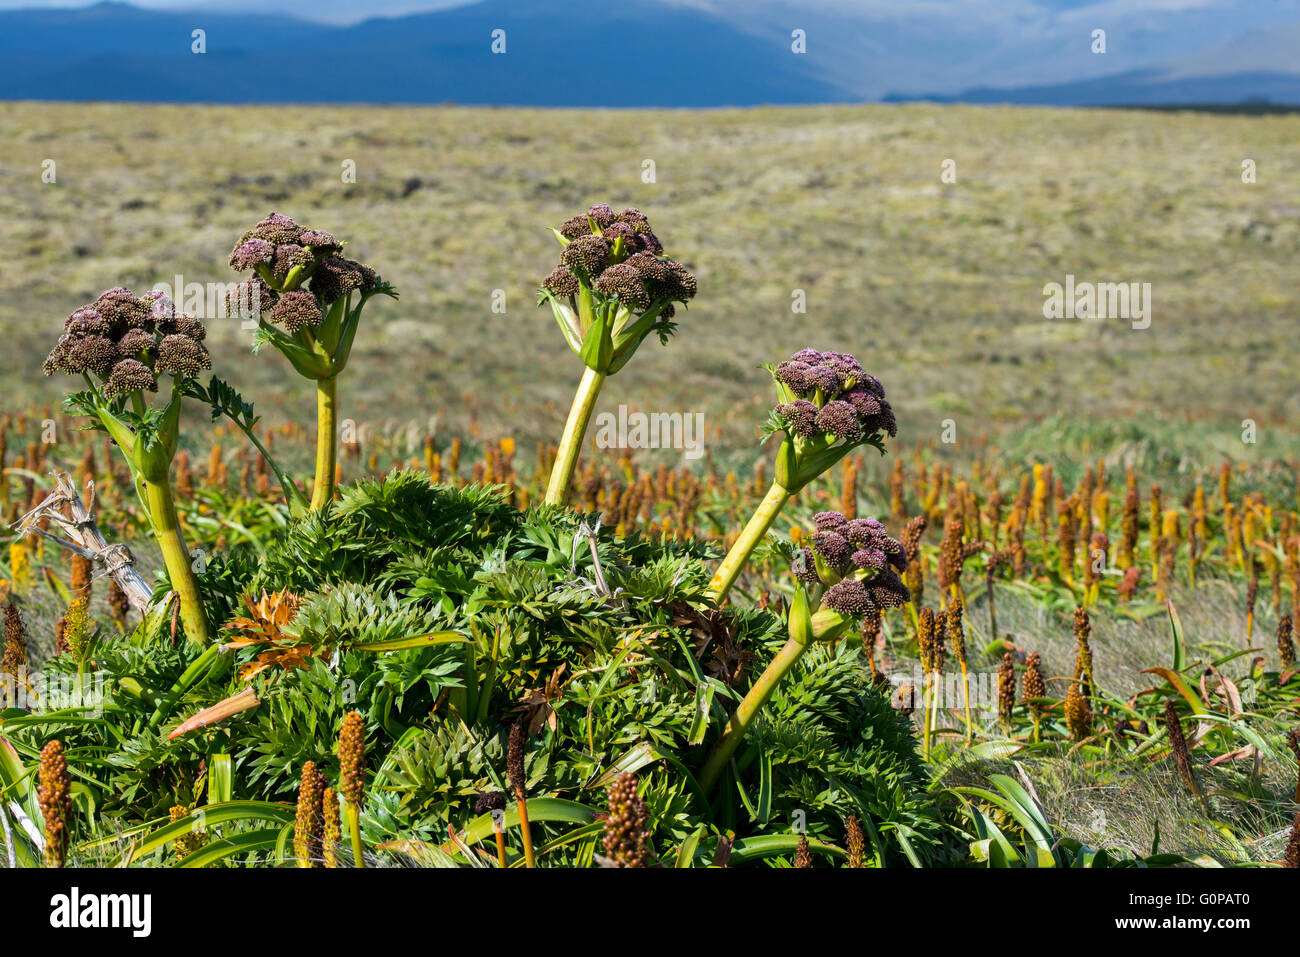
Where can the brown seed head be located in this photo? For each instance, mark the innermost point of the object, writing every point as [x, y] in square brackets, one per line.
[55, 798]
[1291, 859]
[803, 853]
[1082, 637]
[1034, 686]
[352, 758]
[911, 537]
[1179, 744]
[515, 760]
[1129, 585]
[332, 829]
[626, 832]
[1006, 686]
[957, 632]
[82, 571]
[308, 824]
[15, 643]
[1285, 648]
[1078, 712]
[855, 840]
[926, 640]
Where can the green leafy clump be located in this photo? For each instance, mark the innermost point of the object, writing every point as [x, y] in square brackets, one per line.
[595, 644]
[602, 648]
[839, 749]
[383, 530]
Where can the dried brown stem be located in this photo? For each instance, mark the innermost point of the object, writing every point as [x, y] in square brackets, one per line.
[76, 518]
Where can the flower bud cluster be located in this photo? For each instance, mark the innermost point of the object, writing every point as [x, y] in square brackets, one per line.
[859, 562]
[127, 341]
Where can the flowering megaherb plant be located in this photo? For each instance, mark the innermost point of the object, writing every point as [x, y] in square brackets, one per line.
[828, 406]
[612, 288]
[307, 299]
[485, 645]
[122, 345]
[850, 571]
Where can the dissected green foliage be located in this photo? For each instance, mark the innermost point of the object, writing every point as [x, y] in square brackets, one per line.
[597, 643]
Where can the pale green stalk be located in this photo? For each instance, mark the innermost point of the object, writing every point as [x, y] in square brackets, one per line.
[804, 629]
[166, 528]
[575, 430]
[753, 533]
[322, 492]
[354, 830]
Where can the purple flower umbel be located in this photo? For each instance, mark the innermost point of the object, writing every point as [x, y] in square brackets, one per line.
[840, 420]
[134, 344]
[859, 555]
[850, 403]
[561, 282]
[275, 229]
[624, 282]
[296, 310]
[285, 255]
[829, 521]
[86, 322]
[586, 257]
[182, 356]
[602, 242]
[251, 253]
[802, 416]
[97, 354]
[129, 376]
[832, 547]
[334, 278]
[849, 597]
[127, 340]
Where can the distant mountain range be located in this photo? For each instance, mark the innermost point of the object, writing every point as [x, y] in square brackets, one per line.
[669, 53]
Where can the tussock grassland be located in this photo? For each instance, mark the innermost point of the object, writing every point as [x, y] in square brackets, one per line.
[939, 283]
[937, 287]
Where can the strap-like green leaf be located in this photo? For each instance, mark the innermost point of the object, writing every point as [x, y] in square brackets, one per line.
[412, 641]
[686, 854]
[749, 849]
[260, 840]
[555, 810]
[208, 815]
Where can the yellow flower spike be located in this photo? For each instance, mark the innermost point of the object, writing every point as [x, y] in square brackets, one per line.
[20, 567]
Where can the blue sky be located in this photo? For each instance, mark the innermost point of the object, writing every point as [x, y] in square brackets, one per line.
[1004, 13]
[870, 49]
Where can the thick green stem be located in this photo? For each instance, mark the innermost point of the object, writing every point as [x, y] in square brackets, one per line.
[753, 533]
[575, 430]
[354, 830]
[804, 629]
[748, 709]
[327, 440]
[166, 528]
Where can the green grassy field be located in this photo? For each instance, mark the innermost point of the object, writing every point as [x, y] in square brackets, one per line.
[937, 287]
[940, 285]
